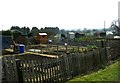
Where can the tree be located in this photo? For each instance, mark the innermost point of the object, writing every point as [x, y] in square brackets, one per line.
[84, 30]
[30, 34]
[25, 30]
[51, 31]
[115, 26]
[16, 34]
[7, 33]
[35, 30]
[15, 28]
[63, 36]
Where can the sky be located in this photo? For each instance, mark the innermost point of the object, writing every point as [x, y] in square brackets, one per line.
[65, 14]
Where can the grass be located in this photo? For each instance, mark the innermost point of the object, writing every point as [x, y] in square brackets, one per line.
[110, 73]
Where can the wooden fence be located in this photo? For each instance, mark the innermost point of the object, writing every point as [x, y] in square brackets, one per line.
[38, 69]
[31, 68]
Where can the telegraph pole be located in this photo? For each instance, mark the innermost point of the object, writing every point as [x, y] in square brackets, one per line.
[119, 17]
[104, 27]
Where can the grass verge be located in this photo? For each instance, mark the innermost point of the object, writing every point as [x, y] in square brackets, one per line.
[110, 73]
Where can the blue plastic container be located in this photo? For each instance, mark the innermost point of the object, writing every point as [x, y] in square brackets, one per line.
[22, 48]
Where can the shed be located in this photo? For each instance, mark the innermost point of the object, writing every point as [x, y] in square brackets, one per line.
[42, 38]
[102, 34]
[71, 35]
[6, 41]
[78, 35]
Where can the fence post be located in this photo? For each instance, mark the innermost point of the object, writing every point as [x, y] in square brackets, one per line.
[41, 49]
[66, 49]
[106, 56]
[19, 71]
[78, 48]
[73, 49]
[57, 49]
[102, 43]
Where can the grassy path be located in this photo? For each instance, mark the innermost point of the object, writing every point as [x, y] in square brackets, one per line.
[110, 73]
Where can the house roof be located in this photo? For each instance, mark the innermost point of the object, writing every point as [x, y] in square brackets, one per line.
[42, 33]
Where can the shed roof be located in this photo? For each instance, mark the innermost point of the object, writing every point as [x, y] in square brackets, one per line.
[42, 33]
[71, 33]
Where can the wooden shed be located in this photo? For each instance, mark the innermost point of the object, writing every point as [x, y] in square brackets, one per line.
[78, 35]
[42, 38]
[6, 41]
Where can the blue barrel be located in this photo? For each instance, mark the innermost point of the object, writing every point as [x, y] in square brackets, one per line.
[22, 48]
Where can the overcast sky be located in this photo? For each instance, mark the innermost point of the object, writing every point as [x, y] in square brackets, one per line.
[65, 14]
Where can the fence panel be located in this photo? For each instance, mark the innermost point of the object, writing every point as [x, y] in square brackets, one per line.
[10, 68]
[82, 63]
[96, 57]
[89, 61]
[103, 55]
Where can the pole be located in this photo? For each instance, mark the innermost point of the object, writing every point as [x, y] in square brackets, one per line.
[104, 27]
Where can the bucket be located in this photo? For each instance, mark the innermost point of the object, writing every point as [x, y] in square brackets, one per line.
[22, 48]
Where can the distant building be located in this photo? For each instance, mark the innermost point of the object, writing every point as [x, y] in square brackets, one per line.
[78, 35]
[102, 34]
[116, 37]
[70, 35]
[42, 38]
[109, 34]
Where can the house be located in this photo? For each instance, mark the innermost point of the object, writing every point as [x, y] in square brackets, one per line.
[42, 38]
[70, 35]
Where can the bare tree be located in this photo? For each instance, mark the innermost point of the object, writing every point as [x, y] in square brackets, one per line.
[116, 26]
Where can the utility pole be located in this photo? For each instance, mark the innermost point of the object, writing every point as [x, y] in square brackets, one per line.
[119, 17]
[104, 27]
